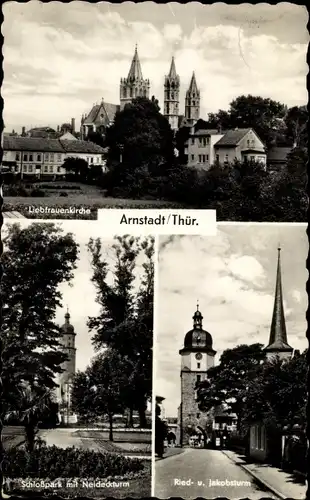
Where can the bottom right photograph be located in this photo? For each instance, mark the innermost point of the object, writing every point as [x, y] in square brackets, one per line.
[230, 373]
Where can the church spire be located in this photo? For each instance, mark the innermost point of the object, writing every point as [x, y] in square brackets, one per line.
[172, 72]
[193, 85]
[278, 336]
[135, 72]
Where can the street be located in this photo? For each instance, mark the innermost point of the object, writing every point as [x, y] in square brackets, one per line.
[204, 473]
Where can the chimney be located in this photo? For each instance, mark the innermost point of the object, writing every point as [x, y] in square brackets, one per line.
[23, 131]
[58, 129]
[73, 125]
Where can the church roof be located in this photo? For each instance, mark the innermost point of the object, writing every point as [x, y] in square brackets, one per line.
[172, 72]
[198, 339]
[135, 72]
[278, 335]
[108, 109]
[67, 327]
[193, 85]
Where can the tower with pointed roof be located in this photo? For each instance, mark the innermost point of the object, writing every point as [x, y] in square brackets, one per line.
[66, 377]
[192, 102]
[278, 344]
[197, 356]
[134, 85]
[171, 96]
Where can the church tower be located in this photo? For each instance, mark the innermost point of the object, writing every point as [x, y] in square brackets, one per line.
[192, 102]
[66, 377]
[278, 345]
[197, 356]
[134, 85]
[171, 97]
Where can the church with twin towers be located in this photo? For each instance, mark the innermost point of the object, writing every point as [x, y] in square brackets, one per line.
[135, 85]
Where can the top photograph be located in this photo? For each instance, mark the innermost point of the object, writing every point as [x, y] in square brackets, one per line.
[155, 106]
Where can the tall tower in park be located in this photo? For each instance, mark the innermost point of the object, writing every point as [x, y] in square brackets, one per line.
[171, 96]
[278, 345]
[134, 85]
[197, 356]
[66, 377]
[192, 102]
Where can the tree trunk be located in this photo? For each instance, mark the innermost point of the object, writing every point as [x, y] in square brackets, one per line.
[142, 416]
[30, 434]
[131, 418]
[111, 426]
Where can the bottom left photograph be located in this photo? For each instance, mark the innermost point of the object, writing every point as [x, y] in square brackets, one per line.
[77, 360]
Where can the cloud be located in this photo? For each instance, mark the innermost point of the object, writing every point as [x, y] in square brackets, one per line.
[78, 52]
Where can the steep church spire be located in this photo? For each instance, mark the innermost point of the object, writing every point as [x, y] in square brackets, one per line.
[192, 102]
[134, 85]
[171, 96]
[135, 72]
[278, 336]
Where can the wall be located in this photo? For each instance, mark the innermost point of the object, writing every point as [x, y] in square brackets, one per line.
[258, 442]
[199, 146]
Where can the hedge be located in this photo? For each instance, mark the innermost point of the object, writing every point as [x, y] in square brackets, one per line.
[51, 462]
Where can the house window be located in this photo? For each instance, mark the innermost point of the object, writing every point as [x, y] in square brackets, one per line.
[198, 415]
[204, 141]
[92, 160]
[45, 168]
[59, 157]
[25, 168]
[30, 157]
[30, 168]
[17, 157]
[198, 379]
[217, 157]
[207, 157]
[248, 143]
[199, 158]
[198, 366]
[193, 157]
[98, 159]
[52, 156]
[46, 156]
[193, 140]
[58, 169]
[38, 167]
[38, 157]
[252, 158]
[226, 158]
[25, 157]
[51, 169]
[203, 158]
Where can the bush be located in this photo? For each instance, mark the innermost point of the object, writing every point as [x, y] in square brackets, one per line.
[15, 191]
[50, 462]
[37, 193]
[63, 194]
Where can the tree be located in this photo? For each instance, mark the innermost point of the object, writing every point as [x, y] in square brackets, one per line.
[228, 382]
[101, 389]
[36, 260]
[139, 133]
[278, 394]
[261, 114]
[77, 166]
[125, 322]
[296, 120]
[96, 137]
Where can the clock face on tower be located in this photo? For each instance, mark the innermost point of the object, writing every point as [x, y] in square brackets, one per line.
[198, 355]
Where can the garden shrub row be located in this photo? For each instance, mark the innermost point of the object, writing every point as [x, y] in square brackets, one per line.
[52, 462]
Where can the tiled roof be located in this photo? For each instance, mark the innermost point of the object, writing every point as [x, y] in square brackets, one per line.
[12, 143]
[278, 153]
[110, 110]
[232, 137]
[81, 147]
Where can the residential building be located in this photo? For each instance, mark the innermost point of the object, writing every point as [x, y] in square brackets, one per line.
[240, 144]
[206, 147]
[41, 157]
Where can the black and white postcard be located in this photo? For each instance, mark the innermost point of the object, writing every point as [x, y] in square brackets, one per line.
[230, 364]
[77, 361]
[145, 105]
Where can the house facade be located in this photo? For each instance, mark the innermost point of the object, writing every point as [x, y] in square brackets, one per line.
[29, 156]
[207, 147]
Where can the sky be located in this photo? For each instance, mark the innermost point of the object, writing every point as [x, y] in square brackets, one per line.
[80, 295]
[61, 58]
[233, 276]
